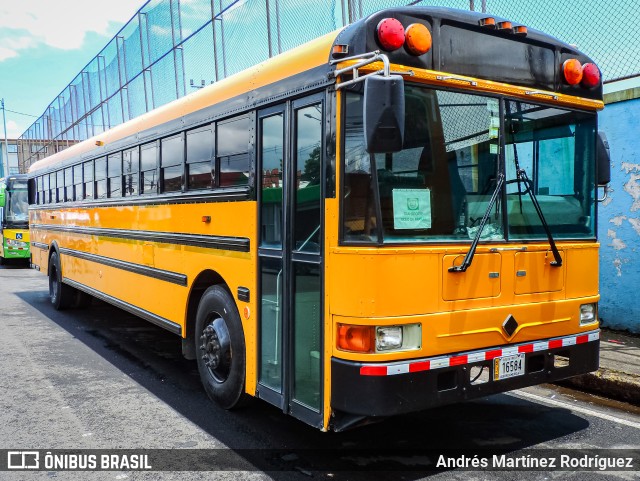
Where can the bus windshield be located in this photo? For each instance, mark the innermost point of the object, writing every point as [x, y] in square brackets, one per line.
[438, 187]
[17, 211]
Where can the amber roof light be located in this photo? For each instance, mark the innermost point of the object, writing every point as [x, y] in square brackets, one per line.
[418, 39]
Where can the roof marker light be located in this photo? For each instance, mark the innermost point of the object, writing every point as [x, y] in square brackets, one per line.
[572, 70]
[339, 50]
[590, 75]
[418, 39]
[505, 26]
[520, 30]
[390, 34]
[488, 22]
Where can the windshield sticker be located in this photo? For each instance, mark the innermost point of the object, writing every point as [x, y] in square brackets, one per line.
[493, 148]
[411, 209]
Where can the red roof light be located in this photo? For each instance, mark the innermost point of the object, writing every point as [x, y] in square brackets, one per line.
[390, 34]
[590, 75]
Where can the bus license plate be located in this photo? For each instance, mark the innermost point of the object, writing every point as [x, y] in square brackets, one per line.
[508, 366]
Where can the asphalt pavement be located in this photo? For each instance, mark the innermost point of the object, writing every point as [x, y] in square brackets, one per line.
[100, 378]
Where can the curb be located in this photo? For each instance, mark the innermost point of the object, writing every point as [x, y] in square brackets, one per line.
[608, 383]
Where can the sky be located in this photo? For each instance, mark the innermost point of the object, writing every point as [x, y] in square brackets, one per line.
[44, 44]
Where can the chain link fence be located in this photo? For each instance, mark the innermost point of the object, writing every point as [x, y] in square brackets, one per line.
[172, 47]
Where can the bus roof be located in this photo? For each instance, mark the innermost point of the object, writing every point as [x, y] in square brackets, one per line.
[460, 46]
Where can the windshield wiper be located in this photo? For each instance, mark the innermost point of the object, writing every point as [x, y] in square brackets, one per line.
[474, 245]
[521, 176]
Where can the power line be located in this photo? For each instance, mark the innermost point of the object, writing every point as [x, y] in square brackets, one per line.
[22, 113]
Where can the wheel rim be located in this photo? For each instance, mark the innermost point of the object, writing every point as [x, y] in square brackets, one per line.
[216, 349]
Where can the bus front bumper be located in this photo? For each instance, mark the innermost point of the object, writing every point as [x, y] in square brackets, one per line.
[385, 389]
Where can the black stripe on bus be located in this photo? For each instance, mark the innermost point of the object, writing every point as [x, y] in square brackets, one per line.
[241, 244]
[146, 315]
[39, 245]
[173, 277]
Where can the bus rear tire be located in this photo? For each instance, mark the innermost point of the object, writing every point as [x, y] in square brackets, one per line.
[220, 348]
[60, 294]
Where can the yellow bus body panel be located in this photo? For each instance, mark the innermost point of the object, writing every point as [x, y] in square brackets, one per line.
[462, 311]
[165, 299]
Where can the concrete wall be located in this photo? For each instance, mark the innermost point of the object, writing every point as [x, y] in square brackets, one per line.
[619, 215]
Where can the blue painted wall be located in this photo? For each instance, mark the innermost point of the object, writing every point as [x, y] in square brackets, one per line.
[619, 219]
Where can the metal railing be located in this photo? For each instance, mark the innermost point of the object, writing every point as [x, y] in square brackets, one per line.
[171, 47]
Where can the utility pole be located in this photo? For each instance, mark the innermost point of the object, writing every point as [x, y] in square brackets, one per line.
[5, 148]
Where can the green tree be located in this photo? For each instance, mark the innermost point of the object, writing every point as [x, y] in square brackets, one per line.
[311, 172]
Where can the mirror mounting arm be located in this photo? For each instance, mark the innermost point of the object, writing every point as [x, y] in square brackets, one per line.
[367, 59]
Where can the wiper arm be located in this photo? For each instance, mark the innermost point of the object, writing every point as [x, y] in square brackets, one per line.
[474, 245]
[521, 176]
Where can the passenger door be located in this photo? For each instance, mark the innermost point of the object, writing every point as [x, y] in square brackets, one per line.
[290, 155]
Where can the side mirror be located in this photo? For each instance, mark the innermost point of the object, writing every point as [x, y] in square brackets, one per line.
[383, 113]
[603, 159]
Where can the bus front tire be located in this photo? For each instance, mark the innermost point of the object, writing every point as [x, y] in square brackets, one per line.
[61, 295]
[220, 348]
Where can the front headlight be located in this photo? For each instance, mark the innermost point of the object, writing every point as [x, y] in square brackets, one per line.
[588, 314]
[388, 337]
[16, 243]
[398, 338]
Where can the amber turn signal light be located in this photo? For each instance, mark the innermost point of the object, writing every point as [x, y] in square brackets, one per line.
[356, 338]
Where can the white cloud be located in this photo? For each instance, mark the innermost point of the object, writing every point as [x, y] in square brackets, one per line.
[60, 24]
[14, 130]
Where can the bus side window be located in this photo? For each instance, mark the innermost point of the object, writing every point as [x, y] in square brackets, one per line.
[77, 182]
[171, 163]
[88, 180]
[149, 168]
[130, 168]
[60, 185]
[39, 193]
[101, 178]
[199, 165]
[45, 186]
[68, 184]
[114, 175]
[232, 155]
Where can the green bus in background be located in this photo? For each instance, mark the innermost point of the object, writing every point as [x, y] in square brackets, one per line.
[14, 218]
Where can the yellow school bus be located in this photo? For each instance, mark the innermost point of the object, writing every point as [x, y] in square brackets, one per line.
[397, 215]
